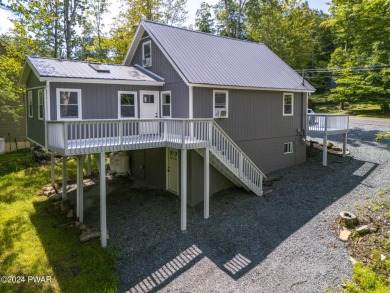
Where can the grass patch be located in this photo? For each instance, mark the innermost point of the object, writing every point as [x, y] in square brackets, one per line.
[372, 251]
[31, 246]
[326, 105]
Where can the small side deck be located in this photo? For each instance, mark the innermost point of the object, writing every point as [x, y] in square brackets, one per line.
[322, 125]
[319, 124]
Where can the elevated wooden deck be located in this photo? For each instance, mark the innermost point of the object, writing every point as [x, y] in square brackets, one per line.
[93, 136]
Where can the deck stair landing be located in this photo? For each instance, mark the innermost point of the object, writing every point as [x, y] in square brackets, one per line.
[92, 136]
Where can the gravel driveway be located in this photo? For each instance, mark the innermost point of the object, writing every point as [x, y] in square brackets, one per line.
[281, 242]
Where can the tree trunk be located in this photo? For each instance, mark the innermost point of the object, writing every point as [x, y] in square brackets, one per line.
[342, 105]
[385, 108]
[56, 31]
[228, 27]
[70, 12]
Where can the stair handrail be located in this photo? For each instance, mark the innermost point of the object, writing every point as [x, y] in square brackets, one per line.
[214, 124]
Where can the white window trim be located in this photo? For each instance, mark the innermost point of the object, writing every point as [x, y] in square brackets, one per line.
[143, 53]
[170, 104]
[292, 104]
[30, 103]
[43, 105]
[290, 147]
[135, 104]
[58, 90]
[227, 103]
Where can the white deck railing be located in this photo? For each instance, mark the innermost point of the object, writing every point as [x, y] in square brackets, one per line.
[327, 123]
[88, 136]
[227, 151]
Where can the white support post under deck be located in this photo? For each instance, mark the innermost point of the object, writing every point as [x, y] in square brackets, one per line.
[325, 150]
[101, 161]
[206, 183]
[80, 188]
[183, 189]
[64, 179]
[344, 144]
[52, 170]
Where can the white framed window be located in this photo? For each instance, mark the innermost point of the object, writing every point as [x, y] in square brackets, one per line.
[220, 104]
[40, 104]
[288, 104]
[30, 104]
[127, 104]
[288, 147]
[147, 54]
[68, 104]
[166, 108]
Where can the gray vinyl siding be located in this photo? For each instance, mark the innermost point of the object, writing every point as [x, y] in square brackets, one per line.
[35, 127]
[173, 82]
[195, 179]
[33, 81]
[14, 129]
[256, 123]
[149, 165]
[99, 101]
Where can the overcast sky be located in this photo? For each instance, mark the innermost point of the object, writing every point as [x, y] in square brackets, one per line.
[192, 6]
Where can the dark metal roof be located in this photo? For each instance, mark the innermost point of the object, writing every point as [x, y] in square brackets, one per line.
[59, 68]
[214, 60]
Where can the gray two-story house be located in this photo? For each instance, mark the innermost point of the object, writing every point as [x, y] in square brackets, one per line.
[197, 113]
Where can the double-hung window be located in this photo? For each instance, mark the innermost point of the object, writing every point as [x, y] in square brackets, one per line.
[40, 104]
[127, 104]
[166, 104]
[288, 104]
[30, 104]
[68, 104]
[220, 104]
[147, 54]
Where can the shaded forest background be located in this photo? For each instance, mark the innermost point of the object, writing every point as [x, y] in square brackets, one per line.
[349, 46]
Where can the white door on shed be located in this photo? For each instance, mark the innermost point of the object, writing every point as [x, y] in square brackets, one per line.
[149, 109]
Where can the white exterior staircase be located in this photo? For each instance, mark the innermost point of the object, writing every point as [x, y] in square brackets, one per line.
[232, 162]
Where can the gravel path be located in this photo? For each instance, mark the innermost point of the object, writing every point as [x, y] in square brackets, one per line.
[281, 242]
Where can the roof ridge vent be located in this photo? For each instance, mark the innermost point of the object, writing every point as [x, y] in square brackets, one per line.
[99, 67]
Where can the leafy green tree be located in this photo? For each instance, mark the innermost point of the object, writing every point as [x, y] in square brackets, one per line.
[287, 27]
[204, 21]
[362, 36]
[132, 11]
[230, 18]
[11, 64]
[174, 12]
[93, 44]
[39, 20]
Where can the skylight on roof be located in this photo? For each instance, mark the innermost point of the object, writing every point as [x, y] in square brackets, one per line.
[99, 67]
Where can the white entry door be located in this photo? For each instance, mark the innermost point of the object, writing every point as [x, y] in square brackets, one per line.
[173, 170]
[149, 109]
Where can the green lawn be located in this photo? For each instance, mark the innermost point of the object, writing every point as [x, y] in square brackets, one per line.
[31, 246]
[324, 105]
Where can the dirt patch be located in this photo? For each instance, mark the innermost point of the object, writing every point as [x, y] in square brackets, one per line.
[373, 248]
